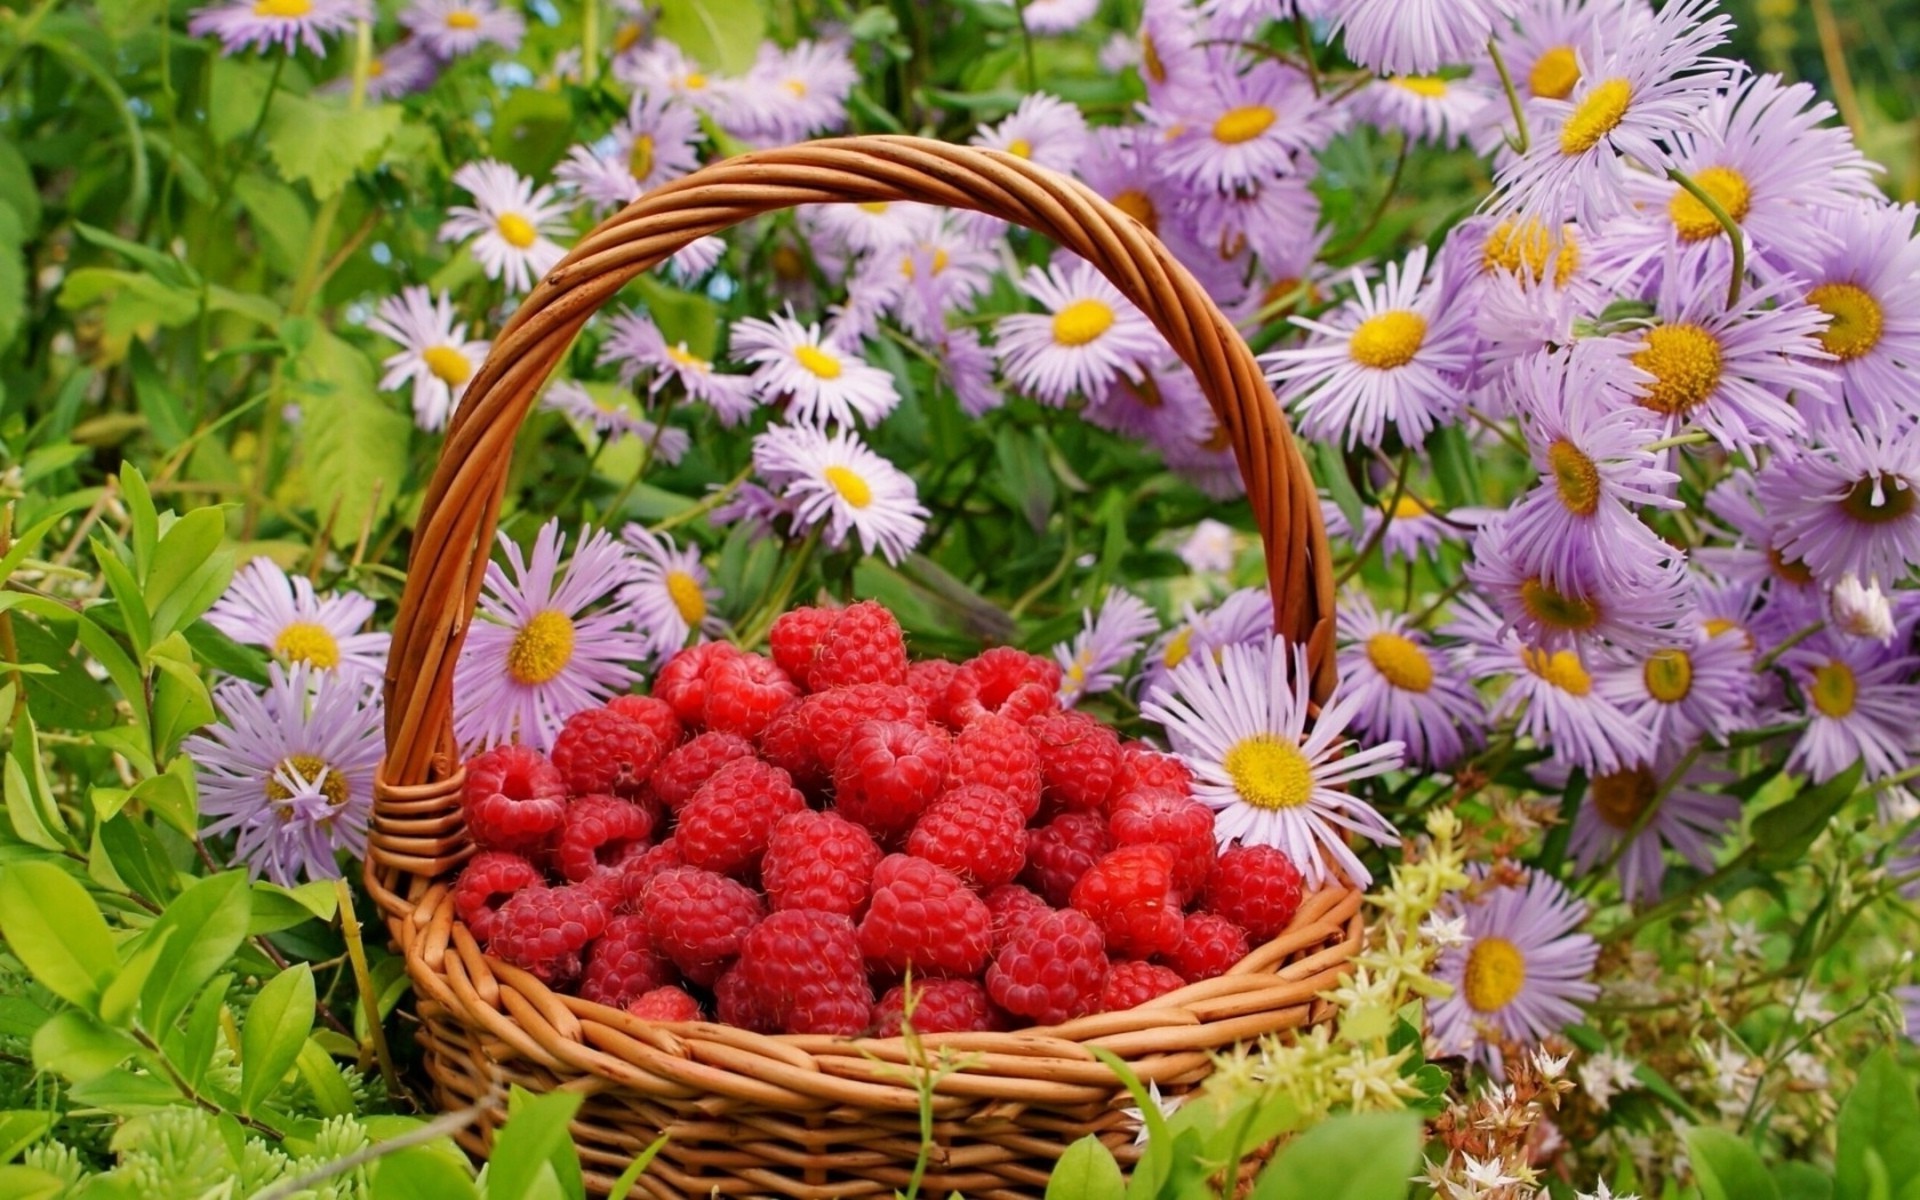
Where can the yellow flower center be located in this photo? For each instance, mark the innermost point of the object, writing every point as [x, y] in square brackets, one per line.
[1715, 626]
[798, 87]
[1428, 86]
[1150, 61]
[1619, 797]
[1856, 319]
[640, 156]
[1400, 661]
[1554, 74]
[1243, 124]
[1081, 322]
[940, 260]
[852, 488]
[1138, 205]
[684, 590]
[517, 230]
[1684, 361]
[1389, 340]
[376, 69]
[694, 81]
[308, 642]
[448, 364]
[460, 18]
[818, 361]
[1668, 675]
[876, 207]
[1574, 477]
[1597, 116]
[1527, 250]
[1408, 508]
[1269, 773]
[1020, 148]
[1557, 609]
[542, 649]
[1834, 689]
[1877, 500]
[309, 768]
[626, 36]
[288, 10]
[1495, 972]
[681, 356]
[1693, 221]
[1561, 668]
[1178, 647]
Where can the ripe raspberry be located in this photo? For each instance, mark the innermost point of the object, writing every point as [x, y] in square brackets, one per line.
[488, 881]
[1209, 946]
[682, 680]
[514, 799]
[692, 763]
[1142, 768]
[600, 832]
[795, 639]
[744, 692]
[656, 714]
[1003, 680]
[1059, 853]
[806, 969]
[923, 917]
[819, 861]
[1132, 983]
[864, 645]
[939, 1006]
[888, 774]
[999, 752]
[621, 964]
[1052, 969]
[830, 716]
[974, 831]
[1079, 759]
[666, 1004]
[725, 826]
[736, 1003]
[1012, 906]
[1181, 825]
[697, 919]
[542, 930]
[601, 753]
[625, 887]
[929, 679]
[787, 744]
[1129, 894]
[1257, 888]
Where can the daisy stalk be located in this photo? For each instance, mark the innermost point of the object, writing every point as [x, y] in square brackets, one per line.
[1520, 141]
[1734, 237]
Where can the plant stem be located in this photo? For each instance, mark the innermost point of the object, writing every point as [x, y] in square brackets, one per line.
[775, 601]
[192, 1094]
[705, 504]
[1380, 530]
[363, 979]
[1732, 227]
[1026, 43]
[1379, 210]
[1772, 656]
[1522, 136]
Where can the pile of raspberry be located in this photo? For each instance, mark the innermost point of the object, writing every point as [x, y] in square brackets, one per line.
[781, 841]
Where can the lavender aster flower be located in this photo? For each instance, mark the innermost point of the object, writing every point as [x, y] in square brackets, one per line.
[1845, 504]
[670, 595]
[1860, 699]
[264, 606]
[1090, 335]
[510, 220]
[435, 356]
[288, 24]
[821, 381]
[1245, 615]
[791, 95]
[610, 413]
[1638, 600]
[1403, 687]
[1658, 804]
[1241, 125]
[451, 28]
[1866, 279]
[1106, 641]
[655, 143]
[1703, 688]
[1410, 37]
[637, 347]
[834, 482]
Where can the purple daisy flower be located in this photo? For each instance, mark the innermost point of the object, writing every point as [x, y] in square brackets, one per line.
[1045, 130]
[1245, 615]
[1425, 108]
[1055, 16]
[1637, 601]
[1755, 557]
[264, 606]
[1164, 406]
[451, 28]
[1107, 641]
[1671, 808]
[263, 24]
[835, 483]
[400, 70]
[967, 364]
[1845, 504]
[1403, 688]
[1417, 37]
[817, 378]
[656, 142]
[1860, 699]
[435, 356]
[1866, 279]
[1089, 336]
[789, 95]
[1243, 124]
[610, 413]
[670, 594]
[919, 280]
[1703, 688]
[636, 346]
[1276, 219]
[1544, 47]
[664, 69]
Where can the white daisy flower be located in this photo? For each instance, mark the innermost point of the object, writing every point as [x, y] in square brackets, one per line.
[436, 356]
[264, 606]
[1089, 336]
[451, 28]
[636, 346]
[833, 481]
[823, 382]
[671, 596]
[511, 222]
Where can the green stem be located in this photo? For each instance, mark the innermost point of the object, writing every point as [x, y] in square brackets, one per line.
[1681, 899]
[1522, 136]
[589, 41]
[1304, 36]
[1772, 656]
[363, 980]
[775, 602]
[705, 504]
[193, 1096]
[1380, 530]
[1026, 43]
[1732, 227]
[1697, 437]
[1379, 210]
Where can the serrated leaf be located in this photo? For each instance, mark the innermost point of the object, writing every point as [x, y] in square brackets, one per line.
[278, 1022]
[323, 143]
[55, 929]
[355, 446]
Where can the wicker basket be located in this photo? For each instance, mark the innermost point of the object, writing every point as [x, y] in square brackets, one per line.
[811, 1116]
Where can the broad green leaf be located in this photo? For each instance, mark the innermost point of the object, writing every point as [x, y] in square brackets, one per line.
[20, 1128]
[1881, 1114]
[181, 701]
[623, 1186]
[1455, 467]
[38, 790]
[210, 920]
[78, 1047]
[158, 263]
[535, 1134]
[125, 1093]
[1355, 1156]
[1784, 833]
[1802, 1181]
[276, 908]
[329, 1091]
[13, 287]
[278, 1022]
[56, 931]
[122, 996]
[279, 218]
[723, 35]
[194, 1052]
[682, 316]
[138, 858]
[25, 812]
[66, 696]
[532, 130]
[133, 300]
[168, 420]
[1087, 1171]
[18, 190]
[421, 1171]
[1727, 1166]
[355, 445]
[1330, 471]
[181, 553]
[30, 1183]
[323, 143]
[238, 87]
[126, 594]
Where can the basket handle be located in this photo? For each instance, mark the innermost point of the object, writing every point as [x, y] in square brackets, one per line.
[453, 539]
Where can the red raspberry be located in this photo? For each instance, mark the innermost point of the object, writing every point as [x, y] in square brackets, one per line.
[725, 826]
[666, 1004]
[625, 887]
[744, 692]
[1079, 758]
[599, 752]
[1142, 768]
[864, 645]
[1132, 983]
[692, 763]
[656, 714]
[621, 964]
[1059, 853]
[1129, 893]
[514, 799]
[787, 744]
[923, 917]
[601, 832]
[805, 968]
[999, 752]
[974, 831]
[1209, 946]
[736, 1003]
[1012, 906]
[929, 679]
[1003, 680]
[888, 774]
[1257, 888]
[819, 861]
[542, 930]
[831, 716]
[939, 1006]
[1052, 969]
[682, 680]
[1181, 825]
[488, 881]
[697, 919]
[795, 638]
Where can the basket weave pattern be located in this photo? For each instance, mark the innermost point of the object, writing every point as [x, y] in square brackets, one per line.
[809, 1116]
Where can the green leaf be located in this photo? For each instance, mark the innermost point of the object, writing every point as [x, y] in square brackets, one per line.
[1455, 467]
[355, 445]
[682, 316]
[1354, 1156]
[27, 805]
[56, 931]
[181, 701]
[276, 908]
[323, 143]
[1330, 471]
[181, 555]
[20, 1128]
[723, 35]
[30, 1183]
[1880, 1114]
[330, 1094]
[1803, 1181]
[138, 858]
[126, 594]
[13, 283]
[67, 696]
[635, 1169]
[210, 920]
[78, 1047]
[1727, 1166]
[195, 1047]
[422, 1171]
[532, 130]
[122, 995]
[168, 420]
[534, 1135]
[1785, 832]
[18, 190]
[1087, 1171]
[158, 263]
[279, 218]
[278, 1023]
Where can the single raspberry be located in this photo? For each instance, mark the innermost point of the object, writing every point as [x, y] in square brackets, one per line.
[806, 969]
[1079, 759]
[999, 752]
[488, 881]
[656, 714]
[693, 762]
[819, 861]
[929, 679]
[599, 752]
[795, 638]
[1209, 945]
[542, 930]
[864, 645]
[1059, 853]
[1257, 888]
[744, 692]
[600, 832]
[682, 680]
[1132, 983]
[939, 1006]
[922, 916]
[1181, 825]
[725, 826]
[1052, 969]
[788, 744]
[974, 831]
[1011, 906]
[830, 716]
[697, 919]
[625, 887]
[1129, 894]
[514, 799]
[736, 1002]
[622, 964]
[1142, 768]
[666, 1004]
[888, 774]
[1003, 680]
